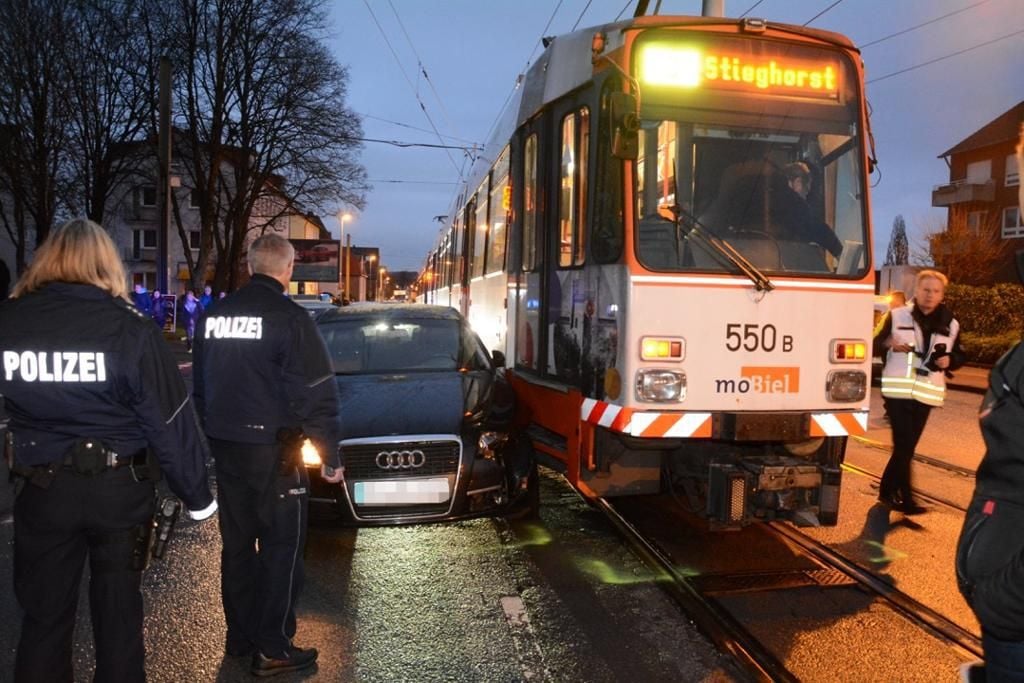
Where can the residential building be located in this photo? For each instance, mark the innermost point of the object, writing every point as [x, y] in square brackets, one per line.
[981, 194]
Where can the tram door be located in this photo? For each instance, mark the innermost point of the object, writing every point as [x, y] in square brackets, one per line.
[532, 200]
[566, 294]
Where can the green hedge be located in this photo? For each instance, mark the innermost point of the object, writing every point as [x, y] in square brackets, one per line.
[987, 349]
[992, 311]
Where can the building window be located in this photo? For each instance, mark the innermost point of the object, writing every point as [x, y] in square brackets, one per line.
[1012, 171]
[193, 199]
[974, 219]
[1012, 226]
[194, 239]
[144, 239]
[979, 172]
[147, 195]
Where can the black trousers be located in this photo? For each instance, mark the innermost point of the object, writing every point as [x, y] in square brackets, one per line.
[908, 419]
[54, 530]
[263, 517]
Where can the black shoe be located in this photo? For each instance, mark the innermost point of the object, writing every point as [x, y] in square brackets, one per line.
[911, 508]
[296, 659]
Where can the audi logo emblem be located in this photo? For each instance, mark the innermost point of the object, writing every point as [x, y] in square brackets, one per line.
[401, 460]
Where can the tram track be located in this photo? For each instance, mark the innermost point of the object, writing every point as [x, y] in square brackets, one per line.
[710, 596]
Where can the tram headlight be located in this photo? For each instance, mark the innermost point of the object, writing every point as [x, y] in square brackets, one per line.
[846, 386]
[663, 386]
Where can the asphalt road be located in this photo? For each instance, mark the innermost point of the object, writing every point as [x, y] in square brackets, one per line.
[558, 599]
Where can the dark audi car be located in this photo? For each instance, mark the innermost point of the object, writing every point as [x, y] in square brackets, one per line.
[426, 419]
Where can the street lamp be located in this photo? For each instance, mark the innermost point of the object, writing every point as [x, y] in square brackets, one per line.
[342, 217]
[380, 282]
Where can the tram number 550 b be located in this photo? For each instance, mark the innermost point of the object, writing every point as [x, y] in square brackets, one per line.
[754, 337]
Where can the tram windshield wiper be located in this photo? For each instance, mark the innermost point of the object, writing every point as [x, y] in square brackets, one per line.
[720, 249]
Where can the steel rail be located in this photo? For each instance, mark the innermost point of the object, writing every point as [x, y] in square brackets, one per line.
[910, 608]
[714, 621]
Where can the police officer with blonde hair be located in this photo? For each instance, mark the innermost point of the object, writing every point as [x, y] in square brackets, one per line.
[263, 384]
[97, 411]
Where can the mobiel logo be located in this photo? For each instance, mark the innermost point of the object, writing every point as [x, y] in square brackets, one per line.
[761, 380]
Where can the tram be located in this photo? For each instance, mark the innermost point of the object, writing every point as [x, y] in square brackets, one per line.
[676, 312]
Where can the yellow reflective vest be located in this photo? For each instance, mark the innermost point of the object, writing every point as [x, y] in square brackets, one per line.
[904, 374]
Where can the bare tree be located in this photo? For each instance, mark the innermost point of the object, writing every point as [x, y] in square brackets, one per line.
[33, 115]
[264, 106]
[111, 99]
[968, 254]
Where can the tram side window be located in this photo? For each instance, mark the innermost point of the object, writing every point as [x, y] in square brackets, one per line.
[530, 204]
[458, 266]
[480, 232]
[500, 202]
[572, 188]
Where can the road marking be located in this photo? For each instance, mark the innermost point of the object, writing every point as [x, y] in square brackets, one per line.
[531, 658]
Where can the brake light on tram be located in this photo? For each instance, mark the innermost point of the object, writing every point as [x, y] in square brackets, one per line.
[848, 350]
[660, 386]
[662, 348]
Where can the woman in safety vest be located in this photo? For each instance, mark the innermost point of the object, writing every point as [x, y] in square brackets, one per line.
[921, 342]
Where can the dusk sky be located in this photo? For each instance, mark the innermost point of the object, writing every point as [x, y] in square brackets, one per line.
[473, 50]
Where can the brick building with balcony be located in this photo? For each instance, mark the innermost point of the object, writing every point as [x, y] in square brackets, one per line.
[981, 194]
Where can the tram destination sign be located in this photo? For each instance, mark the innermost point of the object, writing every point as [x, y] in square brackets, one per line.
[742, 67]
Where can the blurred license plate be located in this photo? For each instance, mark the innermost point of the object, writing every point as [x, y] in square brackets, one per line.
[402, 492]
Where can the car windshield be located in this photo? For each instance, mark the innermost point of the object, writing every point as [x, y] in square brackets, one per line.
[381, 344]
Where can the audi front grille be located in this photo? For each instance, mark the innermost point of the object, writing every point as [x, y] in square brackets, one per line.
[392, 460]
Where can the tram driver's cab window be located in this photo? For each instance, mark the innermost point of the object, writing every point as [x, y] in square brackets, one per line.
[789, 201]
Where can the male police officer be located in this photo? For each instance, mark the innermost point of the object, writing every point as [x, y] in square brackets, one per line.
[262, 374]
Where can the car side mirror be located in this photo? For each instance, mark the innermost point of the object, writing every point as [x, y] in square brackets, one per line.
[498, 357]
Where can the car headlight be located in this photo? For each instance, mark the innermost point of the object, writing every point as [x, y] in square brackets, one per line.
[660, 385]
[310, 455]
[846, 385]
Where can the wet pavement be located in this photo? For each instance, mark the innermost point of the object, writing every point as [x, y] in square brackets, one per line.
[559, 598]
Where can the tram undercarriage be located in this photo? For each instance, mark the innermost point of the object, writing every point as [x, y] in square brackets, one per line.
[731, 483]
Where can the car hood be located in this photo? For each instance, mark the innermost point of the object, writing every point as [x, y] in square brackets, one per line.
[414, 403]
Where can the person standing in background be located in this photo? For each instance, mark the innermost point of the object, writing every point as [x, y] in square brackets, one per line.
[191, 310]
[159, 312]
[920, 343]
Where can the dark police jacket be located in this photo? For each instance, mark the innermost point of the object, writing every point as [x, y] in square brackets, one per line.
[77, 362]
[261, 365]
[990, 552]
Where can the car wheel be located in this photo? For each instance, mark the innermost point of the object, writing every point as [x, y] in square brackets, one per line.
[528, 505]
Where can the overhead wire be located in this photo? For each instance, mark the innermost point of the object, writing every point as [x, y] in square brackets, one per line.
[410, 127]
[939, 59]
[580, 17]
[821, 12]
[412, 87]
[914, 28]
[750, 9]
[623, 10]
[423, 69]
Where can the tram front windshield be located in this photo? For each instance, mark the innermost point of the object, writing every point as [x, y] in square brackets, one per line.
[777, 178]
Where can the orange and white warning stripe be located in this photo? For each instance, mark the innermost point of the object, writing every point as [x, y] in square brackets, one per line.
[698, 425]
[646, 424]
[839, 424]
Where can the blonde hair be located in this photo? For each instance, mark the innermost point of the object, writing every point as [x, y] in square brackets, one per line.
[270, 255]
[925, 274]
[79, 251]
